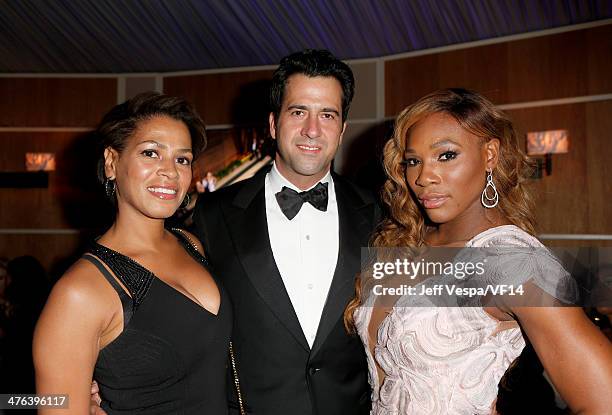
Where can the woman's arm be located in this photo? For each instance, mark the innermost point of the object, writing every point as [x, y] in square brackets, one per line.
[575, 354]
[68, 333]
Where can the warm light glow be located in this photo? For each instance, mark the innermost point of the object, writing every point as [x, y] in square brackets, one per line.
[547, 142]
[40, 161]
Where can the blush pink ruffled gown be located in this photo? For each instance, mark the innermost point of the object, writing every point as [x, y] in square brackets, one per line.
[442, 360]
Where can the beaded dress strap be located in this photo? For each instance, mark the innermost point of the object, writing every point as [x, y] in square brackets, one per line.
[190, 246]
[136, 278]
[126, 301]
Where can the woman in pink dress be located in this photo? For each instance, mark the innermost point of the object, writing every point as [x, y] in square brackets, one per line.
[456, 178]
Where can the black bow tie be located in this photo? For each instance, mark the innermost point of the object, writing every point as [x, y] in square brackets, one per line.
[291, 201]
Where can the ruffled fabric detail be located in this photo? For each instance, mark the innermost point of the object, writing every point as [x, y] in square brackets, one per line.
[449, 360]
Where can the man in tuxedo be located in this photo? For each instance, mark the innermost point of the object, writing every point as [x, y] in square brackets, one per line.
[286, 246]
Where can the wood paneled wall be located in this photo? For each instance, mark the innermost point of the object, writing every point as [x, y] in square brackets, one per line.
[225, 98]
[564, 65]
[72, 183]
[72, 200]
[575, 198]
[55, 102]
[55, 252]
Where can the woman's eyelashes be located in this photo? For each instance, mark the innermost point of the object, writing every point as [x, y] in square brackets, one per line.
[447, 155]
[150, 153]
[184, 160]
[410, 161]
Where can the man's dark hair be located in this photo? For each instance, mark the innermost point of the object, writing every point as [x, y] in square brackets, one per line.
[120, 123]
[311, 63]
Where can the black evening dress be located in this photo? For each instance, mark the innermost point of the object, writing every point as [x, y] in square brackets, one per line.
[172, 355]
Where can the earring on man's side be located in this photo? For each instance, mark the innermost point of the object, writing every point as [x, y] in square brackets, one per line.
[487, 199]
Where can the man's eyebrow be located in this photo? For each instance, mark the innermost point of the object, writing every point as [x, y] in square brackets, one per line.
[297, 107]
[333, 110]
[306, 108]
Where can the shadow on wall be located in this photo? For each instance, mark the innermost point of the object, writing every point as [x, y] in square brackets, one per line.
[83, 203]
[250, 108]
[361, 156]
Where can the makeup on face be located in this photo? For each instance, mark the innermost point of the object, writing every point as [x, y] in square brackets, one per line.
[445, 167]
[154, 170]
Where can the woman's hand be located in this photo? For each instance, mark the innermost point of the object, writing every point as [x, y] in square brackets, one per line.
[94, 408]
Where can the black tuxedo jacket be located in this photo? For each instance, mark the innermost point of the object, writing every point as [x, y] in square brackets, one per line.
[278, 371]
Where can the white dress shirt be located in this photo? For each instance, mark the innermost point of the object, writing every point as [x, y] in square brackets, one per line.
[305, 250]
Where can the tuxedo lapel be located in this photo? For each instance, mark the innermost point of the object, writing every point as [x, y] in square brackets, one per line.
[353, 227]
[247, 223]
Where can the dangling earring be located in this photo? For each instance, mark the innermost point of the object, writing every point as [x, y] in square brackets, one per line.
[186, 201]
[109, 187]
[489, 201]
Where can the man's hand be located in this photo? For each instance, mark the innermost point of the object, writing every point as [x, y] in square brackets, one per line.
[94, 408]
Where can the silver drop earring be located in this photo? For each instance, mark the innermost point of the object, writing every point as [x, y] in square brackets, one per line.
[487, 200]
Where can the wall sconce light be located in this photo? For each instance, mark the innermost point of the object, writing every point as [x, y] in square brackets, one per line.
[36, 175]
[546, 143]
[40, 161]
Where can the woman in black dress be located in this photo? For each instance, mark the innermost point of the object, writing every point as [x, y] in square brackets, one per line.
[140, 312]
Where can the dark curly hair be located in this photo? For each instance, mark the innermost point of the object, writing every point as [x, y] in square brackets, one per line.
[405, 225]
[120, 123]
[311, 62]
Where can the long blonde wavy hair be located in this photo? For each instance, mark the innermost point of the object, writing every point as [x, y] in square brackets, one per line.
[405, 225]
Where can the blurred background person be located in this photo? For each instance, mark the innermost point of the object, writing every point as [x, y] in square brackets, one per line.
[25, 296]
[210, 182]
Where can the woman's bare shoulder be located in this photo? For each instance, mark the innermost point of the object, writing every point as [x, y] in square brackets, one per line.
[83, 286]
